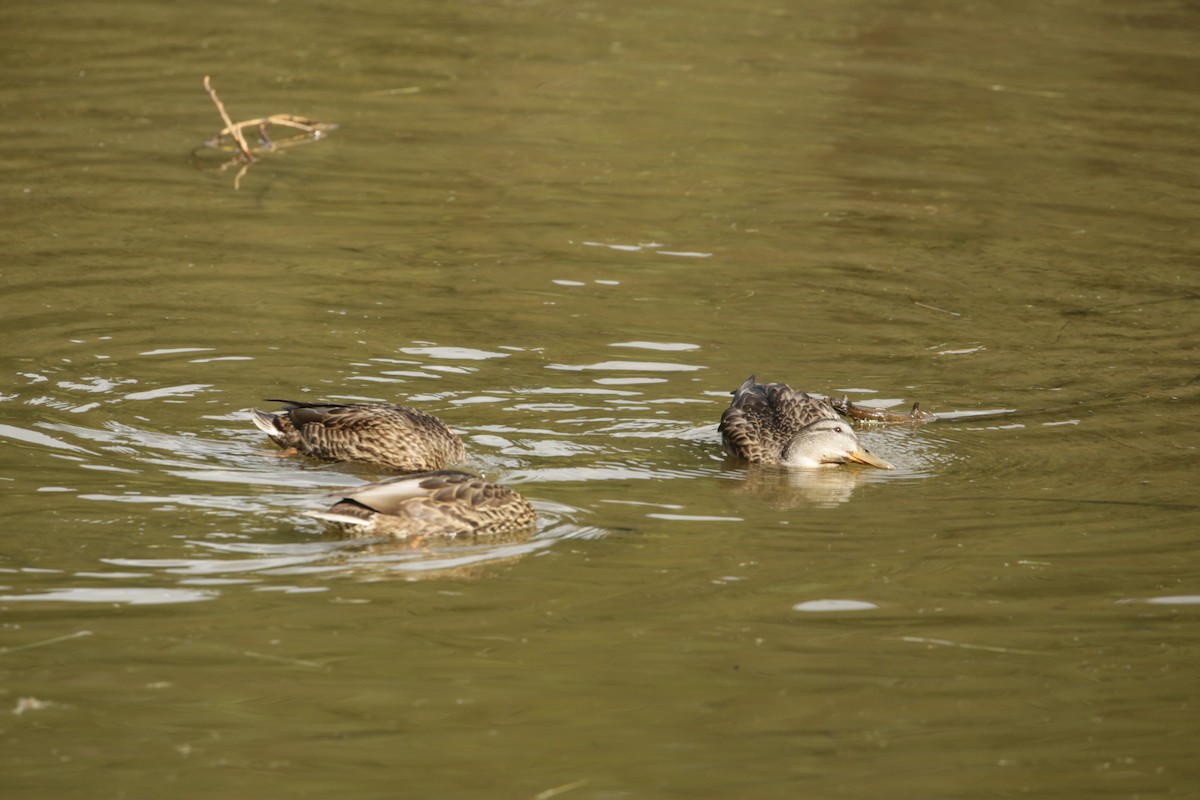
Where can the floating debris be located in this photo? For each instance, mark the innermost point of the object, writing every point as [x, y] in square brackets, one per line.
[232, 137]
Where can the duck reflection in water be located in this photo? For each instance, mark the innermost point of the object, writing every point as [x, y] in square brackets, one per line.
[782, 488]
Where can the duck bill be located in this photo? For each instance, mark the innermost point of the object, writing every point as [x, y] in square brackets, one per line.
[861, 456]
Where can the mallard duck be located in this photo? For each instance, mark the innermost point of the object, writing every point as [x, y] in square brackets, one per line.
[397, 437]
[440, 503]
[774, 424]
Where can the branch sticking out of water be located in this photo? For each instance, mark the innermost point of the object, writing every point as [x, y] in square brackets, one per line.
[235, 131]
[311, 130]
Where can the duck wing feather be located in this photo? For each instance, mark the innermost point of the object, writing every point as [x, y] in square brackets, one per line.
[391, 435]
[444, 502]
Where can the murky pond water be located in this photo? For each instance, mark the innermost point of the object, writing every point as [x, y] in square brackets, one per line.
[570, 229]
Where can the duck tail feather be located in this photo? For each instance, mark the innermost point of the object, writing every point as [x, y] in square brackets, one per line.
[747, 386]
[267, 423]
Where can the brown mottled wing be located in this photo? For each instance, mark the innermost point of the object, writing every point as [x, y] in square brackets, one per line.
[443, 503]
[794, 409]
[741, 424]
[389, 496]
[394, 436]
[763, 418]
[469, 506]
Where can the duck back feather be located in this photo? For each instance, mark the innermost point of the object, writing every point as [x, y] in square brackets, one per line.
[393, 436]
[437, 503]
[763, 418]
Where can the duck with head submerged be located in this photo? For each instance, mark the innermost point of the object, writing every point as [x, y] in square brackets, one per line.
[774, 424]
[443, 503]
[391, 436]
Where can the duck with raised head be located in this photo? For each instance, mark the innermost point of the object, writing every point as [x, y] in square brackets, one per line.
[392, 436]
[443, 503]
[774, 424]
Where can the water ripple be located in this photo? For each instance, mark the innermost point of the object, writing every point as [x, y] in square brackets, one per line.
[628, 366]
[130, 595]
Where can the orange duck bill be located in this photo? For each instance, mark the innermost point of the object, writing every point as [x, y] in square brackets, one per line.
[863, 456]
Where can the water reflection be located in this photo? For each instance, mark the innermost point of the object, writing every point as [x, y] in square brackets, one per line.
[1167, 600]
[130, 595]
[832, 605]
[627, 366]
[627, 381]
[453, 353]
[651, 247]
[669, 346]
[38, 439]
[783, 488]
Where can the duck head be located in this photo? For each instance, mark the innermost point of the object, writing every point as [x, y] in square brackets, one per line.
[827, 442]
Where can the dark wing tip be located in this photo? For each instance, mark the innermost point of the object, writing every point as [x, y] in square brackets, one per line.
[288, 404]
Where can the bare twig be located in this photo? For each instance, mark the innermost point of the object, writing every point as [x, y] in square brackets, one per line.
[917, 302]
[310, 130]
[234, 131]
[237, 179]
[287, 120]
